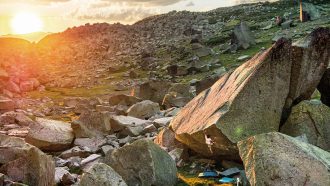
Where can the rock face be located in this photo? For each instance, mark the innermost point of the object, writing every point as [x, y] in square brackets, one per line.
[144, 109]
[324, 88]
[25, 163]
[312, 119]
[50, 135]
[310, 57]
[277, 159]
[101, 175]
[266, 84]
[242, 37]
[143, 163]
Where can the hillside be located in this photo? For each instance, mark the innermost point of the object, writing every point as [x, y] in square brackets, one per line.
[32, 37]
[240, 91]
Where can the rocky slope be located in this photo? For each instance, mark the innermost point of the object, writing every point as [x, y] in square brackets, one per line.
[86, 104]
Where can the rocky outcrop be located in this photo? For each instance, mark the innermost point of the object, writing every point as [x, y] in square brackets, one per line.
[310, 58]
[144, 109]
[102, 175]
[269, 82]
[143, 163]
[50, 135]
[25, 163]
[277, 159]
[312, 119]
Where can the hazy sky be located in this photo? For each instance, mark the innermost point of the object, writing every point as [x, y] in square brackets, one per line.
[57, 15]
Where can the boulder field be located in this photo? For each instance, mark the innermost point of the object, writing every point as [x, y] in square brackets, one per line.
[256, 97]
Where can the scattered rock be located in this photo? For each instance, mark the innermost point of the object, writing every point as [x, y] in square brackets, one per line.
[6, 104]
[2, 177]
[92, 124]
[287, 24]
[20, 160]
[127, 125]
[50, 135]
[81, 152]
[312, 10]
[144, 109]
[143, 163]
[243, 58]
[242, 37]
[122, 99]
[94, 144]
[310, 118]
[152, 90]
[162, 122]
[101, 175]
[15, 117]
[59, 173]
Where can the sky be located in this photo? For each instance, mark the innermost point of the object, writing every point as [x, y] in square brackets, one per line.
[58, 15]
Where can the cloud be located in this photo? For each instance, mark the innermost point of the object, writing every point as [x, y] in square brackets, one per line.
[112, 12]
[149, 2]
[34, 1]
[125, 11]
[190, 4]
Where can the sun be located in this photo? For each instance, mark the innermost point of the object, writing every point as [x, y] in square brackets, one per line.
[25, 22]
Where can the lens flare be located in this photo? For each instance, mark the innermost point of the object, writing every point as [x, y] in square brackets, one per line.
[24, 23]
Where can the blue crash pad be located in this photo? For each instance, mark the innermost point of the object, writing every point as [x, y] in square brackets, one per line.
[227, 180]
[208, 174]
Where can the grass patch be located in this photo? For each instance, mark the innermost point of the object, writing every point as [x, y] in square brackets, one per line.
[230, 60]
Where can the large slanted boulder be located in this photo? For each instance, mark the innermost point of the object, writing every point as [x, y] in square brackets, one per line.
[143, 163]
[277, 159]
[50, 135]
[310, 59]
[310, 118]
[255, 97]
[144, 109]
[227, 111]
[92, 124]
[101, 175]
[25, 163]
